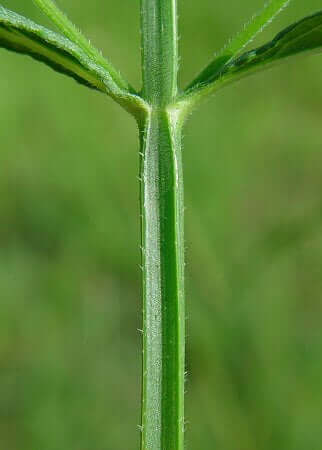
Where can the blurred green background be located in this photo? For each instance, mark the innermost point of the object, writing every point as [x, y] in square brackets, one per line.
[69, 262]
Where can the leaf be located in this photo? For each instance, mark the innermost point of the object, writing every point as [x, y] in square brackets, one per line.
[21, 35]
[70, 31]
[256, 24]
[302, 36]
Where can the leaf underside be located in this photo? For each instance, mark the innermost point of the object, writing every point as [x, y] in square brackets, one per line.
[21, 35]
[302, 36]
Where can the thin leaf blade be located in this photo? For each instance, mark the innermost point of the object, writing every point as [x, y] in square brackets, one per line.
[21, 35]
[69, 30]
[234, 47]
[303, 36]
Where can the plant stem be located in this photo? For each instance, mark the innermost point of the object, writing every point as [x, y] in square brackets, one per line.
[162, 234]
[163, 294]
[159, 51]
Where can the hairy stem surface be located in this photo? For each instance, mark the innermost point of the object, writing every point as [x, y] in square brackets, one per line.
[163, 291]
[159, 50]
[162, 234]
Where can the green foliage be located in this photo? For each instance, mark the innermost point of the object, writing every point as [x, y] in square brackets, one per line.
[75, 56]
[300, 37]
[162, 226]
[245, 36]
[21, 35]
[71, 32]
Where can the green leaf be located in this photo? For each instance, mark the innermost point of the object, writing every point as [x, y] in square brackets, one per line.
[21, 35]
[70, 31]
[234, 47]
[302, 36]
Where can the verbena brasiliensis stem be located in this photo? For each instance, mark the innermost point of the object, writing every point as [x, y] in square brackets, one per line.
[160, 110]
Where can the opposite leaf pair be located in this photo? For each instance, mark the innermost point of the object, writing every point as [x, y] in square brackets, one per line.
[73, 55]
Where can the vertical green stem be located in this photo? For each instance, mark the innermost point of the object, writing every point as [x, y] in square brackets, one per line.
[159, 51]
[163, 290]
[162, 234]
